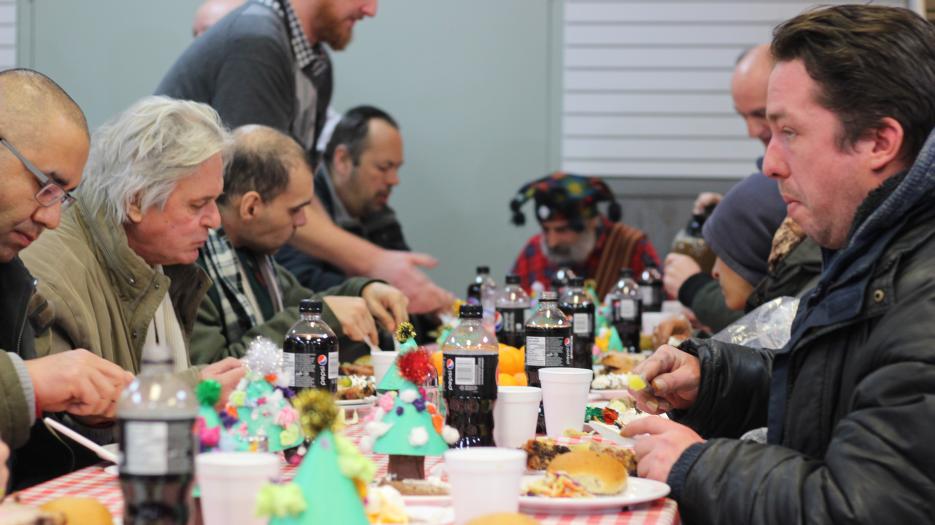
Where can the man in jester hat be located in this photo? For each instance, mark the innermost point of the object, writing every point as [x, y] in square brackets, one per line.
[330, 484]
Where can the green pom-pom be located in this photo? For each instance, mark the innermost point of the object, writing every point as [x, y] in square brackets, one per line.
[352, 463]
[280, 501]
[208, 392]
[317, 411]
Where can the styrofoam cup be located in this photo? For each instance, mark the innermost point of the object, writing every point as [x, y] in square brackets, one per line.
[652, 319]
[564, 398]
[484, 480]
[229, 483]
[381, 363]
[515, 414]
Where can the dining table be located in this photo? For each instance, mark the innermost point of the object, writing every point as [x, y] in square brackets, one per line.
[101, 483]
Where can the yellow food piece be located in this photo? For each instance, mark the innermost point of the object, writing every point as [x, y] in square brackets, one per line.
[636, 382]
[85, 511]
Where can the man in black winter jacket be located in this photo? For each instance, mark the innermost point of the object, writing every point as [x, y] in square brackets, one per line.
[849, 403]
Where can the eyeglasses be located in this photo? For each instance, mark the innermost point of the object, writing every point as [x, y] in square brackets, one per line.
[50, 192]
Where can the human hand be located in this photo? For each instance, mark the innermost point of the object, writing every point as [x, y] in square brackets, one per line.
[77, 382]
[354, 316]
[678, 327]
[401, 269]
[674, 376]
[678, 267]
[386, 304]
[659, 444]
[705, 199]
[228, 372]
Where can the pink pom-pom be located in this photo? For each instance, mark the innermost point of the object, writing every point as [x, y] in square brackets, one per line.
[386, 402]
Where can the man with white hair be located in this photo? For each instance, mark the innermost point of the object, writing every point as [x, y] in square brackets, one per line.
[119, 272]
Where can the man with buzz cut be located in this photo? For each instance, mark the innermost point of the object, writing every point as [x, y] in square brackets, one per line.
[848, 404]
[267, 186]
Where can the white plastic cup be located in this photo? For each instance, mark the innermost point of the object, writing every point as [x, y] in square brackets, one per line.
[484, 480]
[381, 363]
[564, 398]
[515, 414]
[229, 483]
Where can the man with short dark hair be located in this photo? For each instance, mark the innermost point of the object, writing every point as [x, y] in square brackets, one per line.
[267, 186]
[43, 149]
[849, 402]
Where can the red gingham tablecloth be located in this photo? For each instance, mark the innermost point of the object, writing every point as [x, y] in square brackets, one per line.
[94, 482]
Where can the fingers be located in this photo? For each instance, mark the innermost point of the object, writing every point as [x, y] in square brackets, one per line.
[423, 259]
[646, 425]
[382, 315]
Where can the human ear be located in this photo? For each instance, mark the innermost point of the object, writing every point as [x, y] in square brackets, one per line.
[134, 213]
[887, 140]
[250, 205]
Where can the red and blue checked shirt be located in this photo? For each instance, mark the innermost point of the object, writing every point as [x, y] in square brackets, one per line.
[532, 265]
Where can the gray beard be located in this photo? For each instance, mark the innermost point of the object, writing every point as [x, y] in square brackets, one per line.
[576, 253]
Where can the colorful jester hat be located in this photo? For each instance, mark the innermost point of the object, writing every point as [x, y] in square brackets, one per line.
[566, 196]
[330, 484]
[258, 410]
[404, 423]
[406, 340]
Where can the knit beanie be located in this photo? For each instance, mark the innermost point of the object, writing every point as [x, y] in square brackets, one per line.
[740, 230]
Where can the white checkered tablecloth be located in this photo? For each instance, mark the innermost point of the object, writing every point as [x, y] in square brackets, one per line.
[95, 483]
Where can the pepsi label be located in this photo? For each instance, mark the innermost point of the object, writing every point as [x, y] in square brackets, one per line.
[470, 374]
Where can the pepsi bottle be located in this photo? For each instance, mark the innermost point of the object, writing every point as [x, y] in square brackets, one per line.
[626, 310]
[511, 313]
[651, 288]
[548, 338]
[576, 304]
[310, 351]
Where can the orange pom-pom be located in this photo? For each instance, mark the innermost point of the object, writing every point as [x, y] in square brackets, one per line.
[431, 408]
[438, 422]
[270, 378]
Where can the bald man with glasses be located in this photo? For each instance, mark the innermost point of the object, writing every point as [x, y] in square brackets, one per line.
[43, 149]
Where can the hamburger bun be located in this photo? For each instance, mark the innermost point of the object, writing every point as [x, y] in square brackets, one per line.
[504, 518]
[598, 473]
[83, 511]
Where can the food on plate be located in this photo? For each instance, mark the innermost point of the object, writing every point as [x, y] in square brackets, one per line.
[556, 485]
[541, 451]
[13, 513]
[598, 473]
[356, 387]
[620, 362]
[385, 505]
[418, 487]
[504, 518]
[86, 511]
[610, 382]
[356, 369]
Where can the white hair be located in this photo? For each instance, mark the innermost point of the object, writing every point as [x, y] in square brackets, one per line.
[139, 156]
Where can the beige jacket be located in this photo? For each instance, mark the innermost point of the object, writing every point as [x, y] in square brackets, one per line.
[103, 295]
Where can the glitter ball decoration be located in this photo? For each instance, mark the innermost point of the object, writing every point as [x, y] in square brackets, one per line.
[405, 331]
[416, 365]
[264, 357]
[317, 411]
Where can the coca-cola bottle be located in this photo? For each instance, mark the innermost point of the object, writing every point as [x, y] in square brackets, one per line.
[576, 304]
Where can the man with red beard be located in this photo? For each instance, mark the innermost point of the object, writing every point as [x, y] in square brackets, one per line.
[266, 63]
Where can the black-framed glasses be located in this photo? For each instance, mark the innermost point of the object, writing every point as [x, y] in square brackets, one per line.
[50, 192]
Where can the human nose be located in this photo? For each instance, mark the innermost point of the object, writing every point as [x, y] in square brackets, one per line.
[393, 178]
[300, 218]
[369, 8]
[212, 217]
[773, 164]
[48, 216]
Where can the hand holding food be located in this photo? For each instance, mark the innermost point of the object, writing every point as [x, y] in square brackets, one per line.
[673, 376]
[659, 443]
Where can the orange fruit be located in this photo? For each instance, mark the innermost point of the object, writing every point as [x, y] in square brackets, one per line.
[438, 361]
[506, 380]
[520, 378]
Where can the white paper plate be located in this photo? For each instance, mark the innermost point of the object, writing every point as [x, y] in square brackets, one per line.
[607, 395]
[638, 490]
[443, 499]
[419, 515]
[356, 403]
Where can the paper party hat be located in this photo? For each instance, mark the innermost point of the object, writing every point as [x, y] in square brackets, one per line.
[406, 339]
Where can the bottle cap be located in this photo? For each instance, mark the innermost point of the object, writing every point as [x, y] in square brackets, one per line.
[548, 296]
[471, 311]
[576, 282]
[512, 279]
[626, 272]
[557, 283]
[310, 306]
[483, 269]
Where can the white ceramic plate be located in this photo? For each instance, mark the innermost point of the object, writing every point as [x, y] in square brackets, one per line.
[638, 490]
[356, 403]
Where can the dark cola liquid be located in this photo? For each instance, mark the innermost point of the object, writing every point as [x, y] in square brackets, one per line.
[582, 327]
[161, 500]
[470, 390]
[311, 361]
[511, 326]
[628, 321]
[547, 348]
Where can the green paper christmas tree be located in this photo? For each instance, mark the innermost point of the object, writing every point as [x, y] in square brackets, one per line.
[406, 337]
[406, 424]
